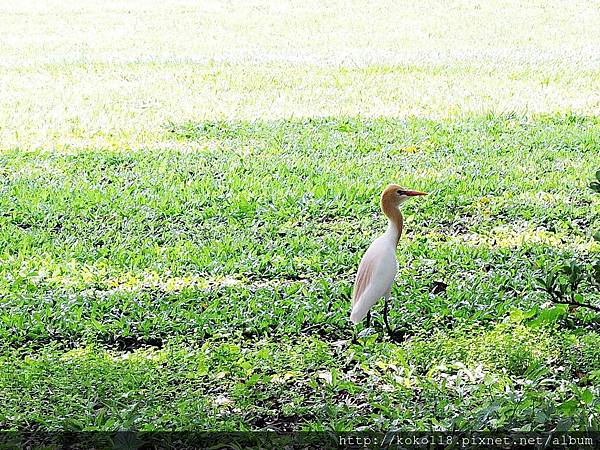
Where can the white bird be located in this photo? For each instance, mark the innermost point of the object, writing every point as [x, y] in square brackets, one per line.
[378, 266]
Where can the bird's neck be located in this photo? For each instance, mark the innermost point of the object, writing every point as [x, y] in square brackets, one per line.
[395, 223]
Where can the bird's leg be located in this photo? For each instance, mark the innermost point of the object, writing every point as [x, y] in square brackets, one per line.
[369, 319]
[396, 334]
[385, 315]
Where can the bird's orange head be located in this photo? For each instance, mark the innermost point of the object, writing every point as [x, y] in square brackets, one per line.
[393, 195]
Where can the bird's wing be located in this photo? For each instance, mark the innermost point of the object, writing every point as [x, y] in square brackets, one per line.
[375, 276]
[363, 276]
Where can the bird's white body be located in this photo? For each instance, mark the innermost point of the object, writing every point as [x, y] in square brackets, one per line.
[378, 267]
[376, 272]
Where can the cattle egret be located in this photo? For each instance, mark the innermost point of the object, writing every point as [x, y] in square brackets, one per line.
[378, 266]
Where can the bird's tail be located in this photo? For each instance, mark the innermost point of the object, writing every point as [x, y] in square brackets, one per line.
[359, 312]
[354, 297]
[364, 303]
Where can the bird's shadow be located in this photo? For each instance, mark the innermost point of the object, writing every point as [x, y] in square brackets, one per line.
[398, 335]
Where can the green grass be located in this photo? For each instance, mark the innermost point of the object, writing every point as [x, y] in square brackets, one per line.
[235, 262]
[181, 221]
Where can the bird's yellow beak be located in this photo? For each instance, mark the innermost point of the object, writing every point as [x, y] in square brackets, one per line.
[413, 193]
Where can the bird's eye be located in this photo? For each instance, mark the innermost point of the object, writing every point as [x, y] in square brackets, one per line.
[400, 192]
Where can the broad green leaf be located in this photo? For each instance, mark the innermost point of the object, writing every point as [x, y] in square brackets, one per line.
[587, 396]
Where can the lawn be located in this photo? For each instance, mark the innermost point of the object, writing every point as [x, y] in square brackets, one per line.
[186, 191]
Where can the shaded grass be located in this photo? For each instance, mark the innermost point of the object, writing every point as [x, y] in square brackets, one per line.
[446, 381]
